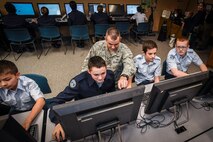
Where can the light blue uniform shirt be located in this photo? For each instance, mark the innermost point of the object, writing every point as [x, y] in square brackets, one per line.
[24, 97]
[174, 60]
[146, 71]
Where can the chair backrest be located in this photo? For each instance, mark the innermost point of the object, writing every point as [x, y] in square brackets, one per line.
[49, 32]
[123, 27]
[41, 81]
[17, 35]
[143, 27]
[100, 30]
[79, 32]
[164, 68]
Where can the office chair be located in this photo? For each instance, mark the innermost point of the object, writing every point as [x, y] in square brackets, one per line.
[142, 29]
[78, 32]
[49, 34]
[41, 81]
[20, 37]
[100, 30]
[123, 27]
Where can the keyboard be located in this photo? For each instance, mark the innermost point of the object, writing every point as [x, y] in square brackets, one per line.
[33, 130]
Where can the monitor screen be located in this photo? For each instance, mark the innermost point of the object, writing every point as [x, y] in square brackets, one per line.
[80, 7]
[167, 93]
[54, 8]
[12, 131]
[25, 9]
[89, 115]
[131, 9]
[92, 7]
[116, 9]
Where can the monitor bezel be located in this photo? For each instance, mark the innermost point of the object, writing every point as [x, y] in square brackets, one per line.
[116, 14]
[50, 4]
[70, 8]
[160, 91]
[104, 5]
[27, 16]
[71, 111]
[132, 5]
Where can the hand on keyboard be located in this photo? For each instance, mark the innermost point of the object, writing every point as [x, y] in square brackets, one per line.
[33, 130]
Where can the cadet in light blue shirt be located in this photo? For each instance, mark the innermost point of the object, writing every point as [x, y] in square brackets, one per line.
[148, 65]
[19, 92]
[180, 58]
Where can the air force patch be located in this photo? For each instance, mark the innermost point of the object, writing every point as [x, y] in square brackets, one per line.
[72, 83]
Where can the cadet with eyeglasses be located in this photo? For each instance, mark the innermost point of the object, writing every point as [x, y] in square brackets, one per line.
[180, 58]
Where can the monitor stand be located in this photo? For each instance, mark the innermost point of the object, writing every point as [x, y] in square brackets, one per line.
[109, 125]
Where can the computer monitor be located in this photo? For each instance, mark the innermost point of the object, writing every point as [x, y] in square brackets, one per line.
[80, 7]
[116, 9]
[92, 7]
[168, 93]
[131, 9]
[85, 117]
[24, 9]
[12, 131]
[54, 8]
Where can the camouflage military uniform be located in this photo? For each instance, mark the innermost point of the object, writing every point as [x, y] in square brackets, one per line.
[121, 61]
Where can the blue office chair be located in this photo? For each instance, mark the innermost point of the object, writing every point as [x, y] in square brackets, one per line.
[41, 81]
[49, 34]
[142, 29]
[19, 37]
[123, 27]
[100, 30]
[78, 32]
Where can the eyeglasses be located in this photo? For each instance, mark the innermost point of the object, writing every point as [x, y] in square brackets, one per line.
[181, 47]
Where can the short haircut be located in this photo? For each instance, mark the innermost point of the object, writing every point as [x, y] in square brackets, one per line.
[7, 67]
[100, 8]
[96, 61]
[113, 33]
[182, 39]
[45, 10]
[149, 44]
[73, 5]
[10, 8]
[139, 9]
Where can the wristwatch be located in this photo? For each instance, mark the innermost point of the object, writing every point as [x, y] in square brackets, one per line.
[124, 75]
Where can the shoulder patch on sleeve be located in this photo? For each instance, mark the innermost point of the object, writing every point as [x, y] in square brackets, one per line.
[72, 83]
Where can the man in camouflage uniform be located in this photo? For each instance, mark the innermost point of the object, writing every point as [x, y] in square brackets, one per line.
[118, 57]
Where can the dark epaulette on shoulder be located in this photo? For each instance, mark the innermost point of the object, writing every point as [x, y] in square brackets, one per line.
[190, 50]
[80, 77]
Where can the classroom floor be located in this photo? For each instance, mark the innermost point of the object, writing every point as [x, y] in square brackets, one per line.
[60, 68]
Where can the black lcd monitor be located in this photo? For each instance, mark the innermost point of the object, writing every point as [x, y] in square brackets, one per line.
[168, 93]
[12, 131]
[116, 9]
[131, 9]
[24, 9]
[92, 7]
[54, 8]
[80, 7]
[85, 117]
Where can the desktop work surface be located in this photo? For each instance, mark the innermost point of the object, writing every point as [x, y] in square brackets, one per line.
[199, 126]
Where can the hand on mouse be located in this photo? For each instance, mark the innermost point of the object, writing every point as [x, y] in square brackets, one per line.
[58, 133]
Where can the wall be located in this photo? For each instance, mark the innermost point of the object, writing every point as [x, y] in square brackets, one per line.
[161, 5]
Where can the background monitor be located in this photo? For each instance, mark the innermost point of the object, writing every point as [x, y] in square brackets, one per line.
[131, 9]
[116, 9]
[83, 117]
[54, 8]
[25, 9]
[167, 93]
[92, 7]
[80, 7]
